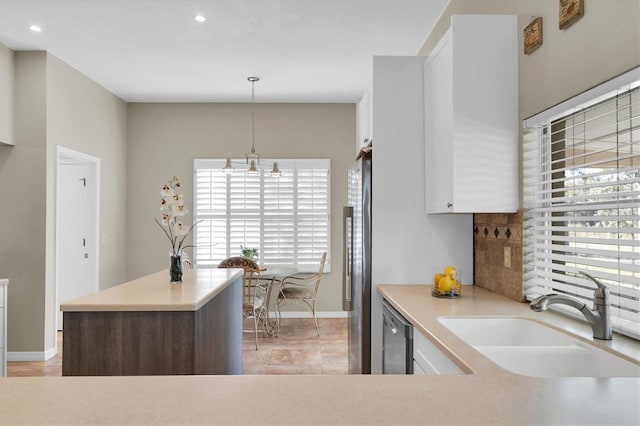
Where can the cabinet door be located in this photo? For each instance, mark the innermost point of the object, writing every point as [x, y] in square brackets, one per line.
[438, 106]
[471, 117]
[417, 369]
[485, 113]
[430, 359]
[7, 96]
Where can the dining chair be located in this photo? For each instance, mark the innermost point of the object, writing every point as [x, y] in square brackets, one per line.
[301, 290]
[252, 303]
[186, 261]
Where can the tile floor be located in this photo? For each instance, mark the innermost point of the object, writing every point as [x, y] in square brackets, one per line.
[298, 350]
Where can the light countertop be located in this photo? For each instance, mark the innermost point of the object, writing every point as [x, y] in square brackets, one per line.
[155, 292]
[423, 310]
[4, 281]
[488, 396]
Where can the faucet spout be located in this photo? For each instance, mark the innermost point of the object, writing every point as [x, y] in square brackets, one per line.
[599, 317]
[542, 303]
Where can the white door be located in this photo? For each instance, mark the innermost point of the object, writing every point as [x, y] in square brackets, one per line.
[74, 279]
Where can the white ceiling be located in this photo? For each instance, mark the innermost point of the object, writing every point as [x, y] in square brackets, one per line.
[154, 50]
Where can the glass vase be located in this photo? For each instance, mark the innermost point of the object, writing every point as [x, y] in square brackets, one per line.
[175, 270]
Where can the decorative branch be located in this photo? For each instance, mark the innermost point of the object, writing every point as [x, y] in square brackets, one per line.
[173, 207]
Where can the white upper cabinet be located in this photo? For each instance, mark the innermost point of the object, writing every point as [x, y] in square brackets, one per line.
[471, 117]
[7, 96]
[364, 126]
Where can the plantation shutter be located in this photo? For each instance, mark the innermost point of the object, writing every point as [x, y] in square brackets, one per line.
[286, 218]
[582, 203]
[210, 200]
[278, 243]
[313, 203]
[243, 221]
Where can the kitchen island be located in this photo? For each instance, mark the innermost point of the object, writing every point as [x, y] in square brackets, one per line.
[150, 326]
[485, 395]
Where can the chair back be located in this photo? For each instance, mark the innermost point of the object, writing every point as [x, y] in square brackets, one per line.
[250, 277]
[320, 271]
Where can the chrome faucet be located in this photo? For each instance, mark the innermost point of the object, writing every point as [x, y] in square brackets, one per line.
[599, 317]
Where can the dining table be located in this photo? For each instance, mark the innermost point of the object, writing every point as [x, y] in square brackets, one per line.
[271, 278]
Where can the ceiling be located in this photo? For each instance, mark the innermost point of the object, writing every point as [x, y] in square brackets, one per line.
[154, 50]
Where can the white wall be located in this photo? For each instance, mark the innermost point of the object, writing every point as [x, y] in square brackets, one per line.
[407, 243]
[365, 125]
[164, 139]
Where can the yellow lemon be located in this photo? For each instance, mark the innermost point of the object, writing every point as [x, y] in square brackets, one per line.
[436, 278]
[450, 271]
[456, 285]
[445, 284]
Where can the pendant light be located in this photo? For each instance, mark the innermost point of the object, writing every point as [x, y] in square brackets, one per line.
[252, 158]
[227, 167]
[275, 172]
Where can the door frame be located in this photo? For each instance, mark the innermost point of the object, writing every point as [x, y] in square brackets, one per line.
[64, 154]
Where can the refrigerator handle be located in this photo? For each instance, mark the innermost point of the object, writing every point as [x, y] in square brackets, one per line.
[347, 230]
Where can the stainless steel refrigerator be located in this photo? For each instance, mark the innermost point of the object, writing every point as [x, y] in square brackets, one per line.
[356, 277]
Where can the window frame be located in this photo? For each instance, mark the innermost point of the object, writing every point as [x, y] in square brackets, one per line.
[303, 257]
[538, 178]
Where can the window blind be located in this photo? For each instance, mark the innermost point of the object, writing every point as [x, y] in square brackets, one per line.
[582, 201]
[286, 218]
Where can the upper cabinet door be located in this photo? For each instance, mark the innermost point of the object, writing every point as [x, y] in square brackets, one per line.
[471, 117]
[7, 96]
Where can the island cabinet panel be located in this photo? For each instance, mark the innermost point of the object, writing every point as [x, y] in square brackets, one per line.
[130, 343]
[222, 318]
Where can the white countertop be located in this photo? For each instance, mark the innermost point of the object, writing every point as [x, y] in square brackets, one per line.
[155, 292]
[488, 396]
[422, 310]
[4, 281]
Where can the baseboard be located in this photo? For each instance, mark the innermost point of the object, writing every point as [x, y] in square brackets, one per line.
[302, 314]
[32, 356]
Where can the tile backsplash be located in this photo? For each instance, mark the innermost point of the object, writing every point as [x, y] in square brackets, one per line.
[496, 237]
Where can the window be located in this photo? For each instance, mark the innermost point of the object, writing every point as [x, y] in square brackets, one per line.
[582, 199]
[286, 218]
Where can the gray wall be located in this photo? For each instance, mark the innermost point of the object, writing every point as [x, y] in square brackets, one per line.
[55, 104]
[22, 189]
[164, 139]
[85, 117]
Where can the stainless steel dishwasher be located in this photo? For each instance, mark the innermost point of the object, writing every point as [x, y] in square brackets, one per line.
[397, 342]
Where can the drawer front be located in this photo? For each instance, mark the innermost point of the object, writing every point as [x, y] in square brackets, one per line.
[430, 358]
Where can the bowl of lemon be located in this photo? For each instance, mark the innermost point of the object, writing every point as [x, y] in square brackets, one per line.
[446, 284]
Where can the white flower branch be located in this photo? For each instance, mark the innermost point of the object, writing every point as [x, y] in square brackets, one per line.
[173, 207]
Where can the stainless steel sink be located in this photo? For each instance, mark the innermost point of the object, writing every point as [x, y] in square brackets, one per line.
[530, 348]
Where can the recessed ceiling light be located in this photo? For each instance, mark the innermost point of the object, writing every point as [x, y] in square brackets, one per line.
[200, 18]
[35, 28]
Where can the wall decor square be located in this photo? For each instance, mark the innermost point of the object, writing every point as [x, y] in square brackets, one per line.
[570, 12]
[533, 36]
